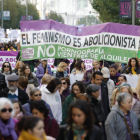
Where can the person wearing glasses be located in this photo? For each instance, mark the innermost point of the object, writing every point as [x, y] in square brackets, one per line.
[7, 124]
[35, 95]
[64, 91]
[52, 97]
[51, 127]
[7, 70]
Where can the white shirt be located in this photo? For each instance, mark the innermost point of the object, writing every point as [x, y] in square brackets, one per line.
[14, 93]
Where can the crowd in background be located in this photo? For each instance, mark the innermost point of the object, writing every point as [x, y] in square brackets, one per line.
[39, 106]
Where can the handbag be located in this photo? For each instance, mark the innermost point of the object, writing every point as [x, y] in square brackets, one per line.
[133, 136]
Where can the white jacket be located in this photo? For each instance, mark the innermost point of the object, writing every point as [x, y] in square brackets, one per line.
[110, 87]
[54, 100]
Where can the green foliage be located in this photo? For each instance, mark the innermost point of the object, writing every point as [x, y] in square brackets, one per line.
[54, 16]
[16, 11]
[89, 20]
[109, 11]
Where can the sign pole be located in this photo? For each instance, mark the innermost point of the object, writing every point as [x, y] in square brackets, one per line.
[1, 13]
[133, 12]
[26, 10]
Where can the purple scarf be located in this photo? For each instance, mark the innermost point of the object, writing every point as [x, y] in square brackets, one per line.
[115, 77]
[8, 129]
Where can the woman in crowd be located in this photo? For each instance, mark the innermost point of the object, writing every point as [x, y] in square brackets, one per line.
[79, 67]
[80, 124]
[23, 83]
[45, 81]
[73, 64]
[51, 127]
[133, 66]
[119, 67]
[2, 48]
[62, 70]
[18, 67]
[7, 70]
[52, 97]
[19, 111]
[29, 88]
[121, 118]
[43, 69]
[77, 88]
[35, 95]
[25, 71]
[64, 91]
[68, 63]
[7, 124]
[31, 128]
[88, 73]
[114, 73]
[11, 48]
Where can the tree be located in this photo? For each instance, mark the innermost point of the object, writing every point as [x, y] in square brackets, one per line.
[89, 20]
[54, 16]
[109, 11]
[16, 11]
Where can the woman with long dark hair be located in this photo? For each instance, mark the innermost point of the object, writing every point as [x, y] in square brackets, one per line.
[80, 123]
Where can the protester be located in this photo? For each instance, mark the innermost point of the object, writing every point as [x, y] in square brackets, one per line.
[108, 81]
[119, 67]
[29, 88]
[82, 97]
[77, 87]
[80, 124]
[22, 83]
[93, 92]
[3, 84]
[79, 67]
[122, 79]
[11, 48]
[2, 48]
[42, 69]
[52, 97]
[133, 66]
[35, 95]
[73, 64]
[7, 70]
[7, 124]
[25, 71]
[114, 74]
[88, 73]
[19, 111]
[18, 67]
[62, 70]
[39, 109]
[64, 91]
[68, 63]
[121, 115]
[31, 128]
[13, 91]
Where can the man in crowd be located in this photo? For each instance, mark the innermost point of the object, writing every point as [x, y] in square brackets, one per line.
[3, 84]
[13, 91]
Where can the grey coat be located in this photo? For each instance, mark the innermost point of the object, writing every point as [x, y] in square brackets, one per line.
[136, 106]
[115, 126]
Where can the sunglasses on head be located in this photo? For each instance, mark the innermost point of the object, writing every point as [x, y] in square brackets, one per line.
[6, 66]
[63, 83]
[5, 110]
[37, 95]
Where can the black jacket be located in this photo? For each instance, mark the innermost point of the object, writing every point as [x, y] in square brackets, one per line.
[97, 110]
[3, 84]
[59, 74]
[22, 95]
[128, 70]
[104, 97]
[67, 134]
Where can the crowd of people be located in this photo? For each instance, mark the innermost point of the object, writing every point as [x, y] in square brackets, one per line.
[41, 106]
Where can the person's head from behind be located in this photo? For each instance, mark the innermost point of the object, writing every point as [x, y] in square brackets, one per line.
[39, 109]
[80, 114]
[82, 97]
[106, 73]
[80, 65]
[46, 79]
[93, 90]
[62, 67]
[133, 62]
[113, 70]
[97, 78]
[18, 107]
[65, 81]
[32, 125]
[19, 65]
[6, 67]
[66, 61]
[6, 108]
[35, 94]
[22, 82]
[122, 79]
[125, 101]
[54, 85]
[96, 64]
[78, 87]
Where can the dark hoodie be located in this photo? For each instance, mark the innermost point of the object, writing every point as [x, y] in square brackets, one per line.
[115, 78]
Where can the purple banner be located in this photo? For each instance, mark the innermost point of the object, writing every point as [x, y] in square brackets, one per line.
[137, 8]
[125, 9]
